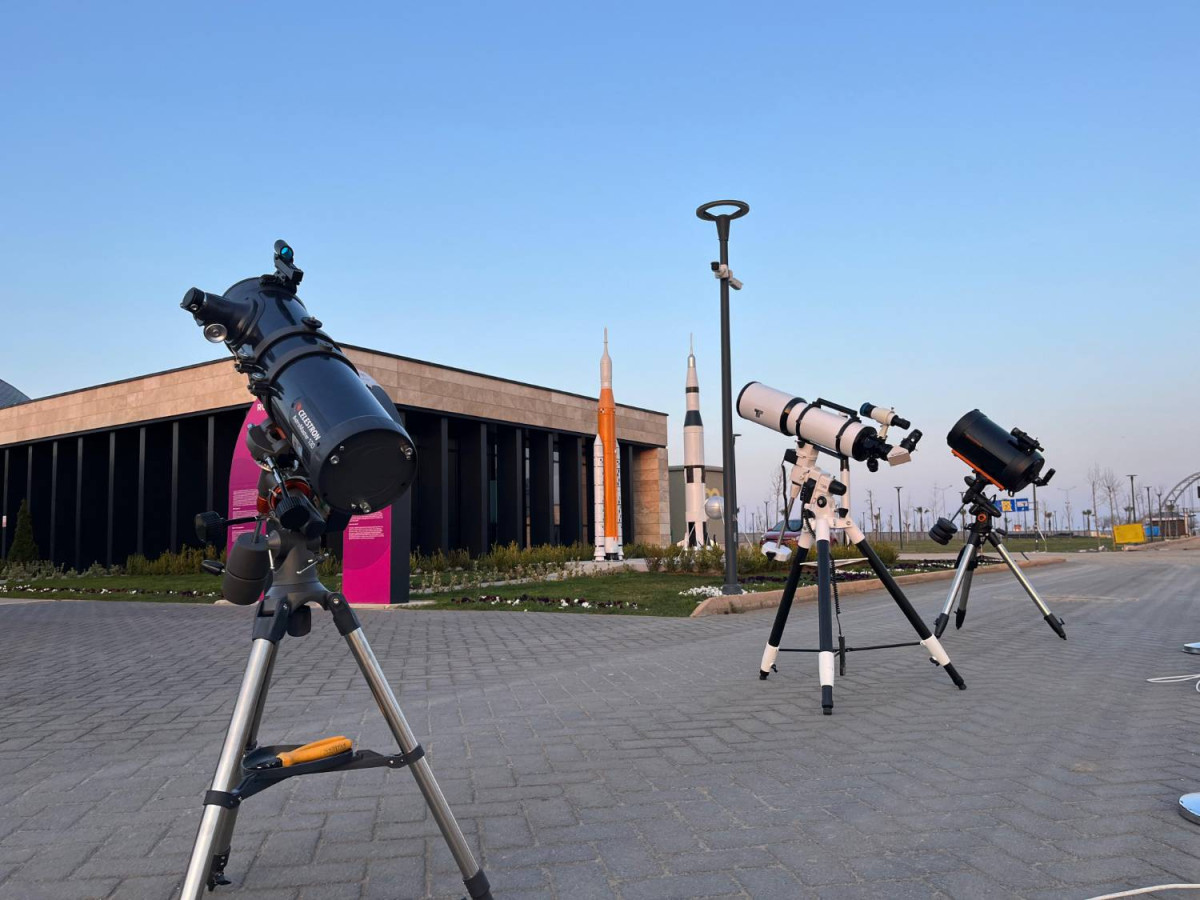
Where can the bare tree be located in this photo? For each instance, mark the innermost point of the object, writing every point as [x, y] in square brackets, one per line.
[776, 499]
[1110, 482]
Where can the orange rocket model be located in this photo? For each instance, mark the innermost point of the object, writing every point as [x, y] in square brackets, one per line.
[606, 468]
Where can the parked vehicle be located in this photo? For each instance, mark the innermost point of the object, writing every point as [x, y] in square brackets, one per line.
[786, 533]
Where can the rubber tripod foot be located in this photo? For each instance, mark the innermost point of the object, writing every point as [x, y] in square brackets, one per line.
[954, 676]
[959, 617]
[940, 625]
[827, 699]
[762, 676]
[478, 887]
[1057, 624]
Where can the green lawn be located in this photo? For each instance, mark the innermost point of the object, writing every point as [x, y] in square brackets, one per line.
[1013, 543]
[624, 593]
[201, 588]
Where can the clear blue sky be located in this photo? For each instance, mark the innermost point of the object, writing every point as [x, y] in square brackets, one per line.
[954, 204]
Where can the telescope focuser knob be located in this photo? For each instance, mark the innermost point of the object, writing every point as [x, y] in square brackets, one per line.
[837, 488]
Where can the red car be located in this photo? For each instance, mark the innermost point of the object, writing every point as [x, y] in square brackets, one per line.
[789, 536]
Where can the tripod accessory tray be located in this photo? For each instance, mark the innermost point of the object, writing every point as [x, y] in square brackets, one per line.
[256, 777]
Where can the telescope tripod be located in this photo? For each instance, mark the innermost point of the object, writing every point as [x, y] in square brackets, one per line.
[244, 768]
[822, 498]
[982, 528]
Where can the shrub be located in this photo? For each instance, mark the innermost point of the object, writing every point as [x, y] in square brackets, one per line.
[24, 548]
[182, 562]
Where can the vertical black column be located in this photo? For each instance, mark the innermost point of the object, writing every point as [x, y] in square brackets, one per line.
[112, 473]
[510, 486]
[433, 506]
[628, 531]
[29, 477]
[78, 503]
[402, 530]
[208, 482]
[174, 486]
[53, 497]
[4, 509]
[141, 490]
[589, 490]
[541, 487]
[473, 487]
[570, 484]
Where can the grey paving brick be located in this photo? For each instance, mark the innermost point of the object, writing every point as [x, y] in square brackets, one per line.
[626, 757]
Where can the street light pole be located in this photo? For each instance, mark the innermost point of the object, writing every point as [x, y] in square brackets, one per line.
[899, 519]
[725, 277]
[1132, 499]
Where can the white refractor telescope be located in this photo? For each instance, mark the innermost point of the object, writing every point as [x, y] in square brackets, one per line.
[836, 430]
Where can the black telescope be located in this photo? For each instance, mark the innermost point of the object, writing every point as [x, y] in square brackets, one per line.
[1008, 459]
[346, 436]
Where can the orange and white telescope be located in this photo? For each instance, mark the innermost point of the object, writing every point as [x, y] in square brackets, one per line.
[606, 468]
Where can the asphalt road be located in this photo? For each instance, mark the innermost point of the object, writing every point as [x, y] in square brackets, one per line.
[590, 756]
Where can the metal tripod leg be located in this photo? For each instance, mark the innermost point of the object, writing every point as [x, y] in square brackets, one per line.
[785, 607]
[1051, 619]
[931, 644]
[473, 876]
[959, 588]
[216, 825]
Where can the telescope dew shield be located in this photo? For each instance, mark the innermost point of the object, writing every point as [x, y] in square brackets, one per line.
[790, 415]
[359, 459]
[999, 456]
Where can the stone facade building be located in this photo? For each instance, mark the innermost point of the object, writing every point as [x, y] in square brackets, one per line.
[122, 468]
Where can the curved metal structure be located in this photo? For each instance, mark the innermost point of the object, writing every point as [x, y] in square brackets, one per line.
[1172, 496]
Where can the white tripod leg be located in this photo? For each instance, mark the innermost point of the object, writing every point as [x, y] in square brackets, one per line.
[826, 658]
[785, 606]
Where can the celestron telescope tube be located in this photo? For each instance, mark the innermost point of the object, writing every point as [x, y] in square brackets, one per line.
[358, 457]
[1009, 460]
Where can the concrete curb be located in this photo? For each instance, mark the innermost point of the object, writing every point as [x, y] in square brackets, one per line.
[740, 603]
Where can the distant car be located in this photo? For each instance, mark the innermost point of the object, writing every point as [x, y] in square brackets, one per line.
[786, 533]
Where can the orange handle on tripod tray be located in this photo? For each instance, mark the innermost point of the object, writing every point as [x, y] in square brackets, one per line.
[330, 746]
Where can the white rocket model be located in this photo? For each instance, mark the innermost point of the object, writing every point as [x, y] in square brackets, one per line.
[606, 468]
[696, 534]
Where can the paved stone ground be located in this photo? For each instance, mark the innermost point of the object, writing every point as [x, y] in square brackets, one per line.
[590, 756]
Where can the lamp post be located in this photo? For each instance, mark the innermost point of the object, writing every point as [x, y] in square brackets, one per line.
[1132, 499]
[1070, 520]
[725, 277]
[899, 519]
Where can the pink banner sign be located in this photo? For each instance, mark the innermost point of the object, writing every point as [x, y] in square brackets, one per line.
[243, 477]
[366, 543]
[367, 558]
